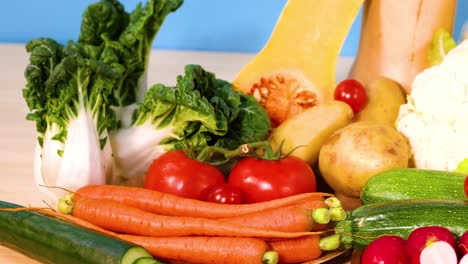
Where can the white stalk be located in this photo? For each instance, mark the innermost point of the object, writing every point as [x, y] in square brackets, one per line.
[136, 147]
[83, 162]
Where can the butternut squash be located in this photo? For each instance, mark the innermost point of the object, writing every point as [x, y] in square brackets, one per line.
[310, 128]
[295, 70]
[396, 37]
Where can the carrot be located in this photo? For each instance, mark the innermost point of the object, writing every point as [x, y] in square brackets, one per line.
[167, 204]
[215, 250]
[291, 218]
[121, 218]
[297, 250]
[183, 249]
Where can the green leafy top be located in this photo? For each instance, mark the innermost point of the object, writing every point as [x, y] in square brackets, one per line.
[62, 81]
[204, 111]
[126, 40]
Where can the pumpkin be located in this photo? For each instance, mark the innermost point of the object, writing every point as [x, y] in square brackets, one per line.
[295, 70]
[396, 38]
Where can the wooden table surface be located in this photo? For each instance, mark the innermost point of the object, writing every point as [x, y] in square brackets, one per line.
[18, 136]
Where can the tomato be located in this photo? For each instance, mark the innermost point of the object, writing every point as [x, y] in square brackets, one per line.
[225, 194]
[263, 180]
[353, 93]
[466, 186]
[175, 173]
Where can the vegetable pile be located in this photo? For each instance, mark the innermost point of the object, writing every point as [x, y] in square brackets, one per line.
[97, 121]
[233, 172]
[173, 229]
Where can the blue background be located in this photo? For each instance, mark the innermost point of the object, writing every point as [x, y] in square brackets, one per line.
[213, 25]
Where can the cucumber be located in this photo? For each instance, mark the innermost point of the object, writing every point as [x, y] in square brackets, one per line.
[146, 260]
[400, 218]
[404, 184]
[52, 240]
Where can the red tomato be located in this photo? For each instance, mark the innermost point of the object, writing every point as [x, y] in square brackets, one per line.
[175, 173]
[225, 194]
[353, 93]
[263, 180]
[466, 186]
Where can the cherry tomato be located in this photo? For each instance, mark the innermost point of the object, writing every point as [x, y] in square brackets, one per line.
[225, 194]
[263, 180]
[353, 93]
[175, 173]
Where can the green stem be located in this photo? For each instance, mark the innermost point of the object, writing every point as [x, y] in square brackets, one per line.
[337, 214]
[333, 202]
[207, 154]
[330, 243]
[270, 257]
[321, 215]
[65, 205]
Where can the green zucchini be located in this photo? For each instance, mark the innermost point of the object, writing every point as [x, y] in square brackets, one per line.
[403, 184]
[49, 239]
[400, 218]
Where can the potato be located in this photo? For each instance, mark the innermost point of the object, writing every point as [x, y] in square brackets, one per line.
[356, 257]
[348, 203]
[351, 155]
[309, 129]
[384, 98]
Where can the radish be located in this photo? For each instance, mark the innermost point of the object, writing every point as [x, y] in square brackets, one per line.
[466, 186]
[386, 249]
[464, 260]
[462, 248]
[422, 237]
[438, 252]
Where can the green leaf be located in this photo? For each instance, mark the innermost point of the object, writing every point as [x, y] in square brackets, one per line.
[252, 124]
[103, 19]
[442, 43]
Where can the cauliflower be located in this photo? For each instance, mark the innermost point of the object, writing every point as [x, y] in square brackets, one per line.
[435, 117]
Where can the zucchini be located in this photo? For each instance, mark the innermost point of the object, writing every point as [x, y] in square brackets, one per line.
[49, 239]
[408, 183]
[400, 218]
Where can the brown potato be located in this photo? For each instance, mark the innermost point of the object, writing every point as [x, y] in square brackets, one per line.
[356, 257]
[348, 203]
[351, 155]
[384, 98]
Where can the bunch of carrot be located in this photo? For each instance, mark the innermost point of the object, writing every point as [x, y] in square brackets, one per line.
[176, 229]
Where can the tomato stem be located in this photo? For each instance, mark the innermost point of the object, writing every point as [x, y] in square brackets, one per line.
[261, 149]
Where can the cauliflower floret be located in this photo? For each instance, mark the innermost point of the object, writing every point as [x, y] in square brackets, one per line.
[435, 118]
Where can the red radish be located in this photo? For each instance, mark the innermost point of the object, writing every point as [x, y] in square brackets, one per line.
[386, 249]
[438, 252]
[422, 237]
[464, 260]
[466, 186]
[462, 248]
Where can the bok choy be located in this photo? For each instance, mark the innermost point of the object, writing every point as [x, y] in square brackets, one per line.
[199, 111]
[73, 90]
